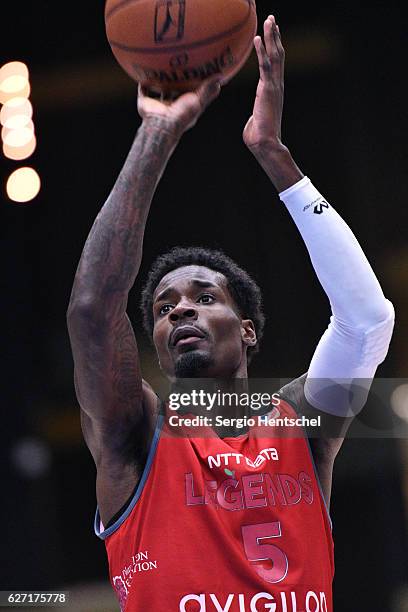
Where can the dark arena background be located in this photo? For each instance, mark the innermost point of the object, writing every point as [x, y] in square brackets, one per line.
[345, 121]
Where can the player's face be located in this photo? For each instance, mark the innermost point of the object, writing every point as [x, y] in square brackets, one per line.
[198, 330]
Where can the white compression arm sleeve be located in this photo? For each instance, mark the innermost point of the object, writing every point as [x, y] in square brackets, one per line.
[357, 338]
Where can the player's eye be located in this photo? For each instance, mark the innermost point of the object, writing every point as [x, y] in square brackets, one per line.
[206, 298]
[165, 309]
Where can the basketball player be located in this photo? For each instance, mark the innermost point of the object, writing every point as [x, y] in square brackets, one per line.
[228, 520]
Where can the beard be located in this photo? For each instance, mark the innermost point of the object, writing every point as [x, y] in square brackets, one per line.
[192, 364]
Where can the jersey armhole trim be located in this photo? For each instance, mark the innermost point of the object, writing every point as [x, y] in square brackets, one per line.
[153, 447]
[319, 484]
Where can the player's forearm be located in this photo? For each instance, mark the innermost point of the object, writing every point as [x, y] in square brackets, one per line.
[278, 164]
[112, 253]
[357, 339]
[339, 261]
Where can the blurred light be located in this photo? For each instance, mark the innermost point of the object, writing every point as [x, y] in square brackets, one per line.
[31, 457]
[13, 69]
[13, 83]
[23, 185]
[16, 113]
[399, 401]
[22, 92]
[19, 137]
[23, 152]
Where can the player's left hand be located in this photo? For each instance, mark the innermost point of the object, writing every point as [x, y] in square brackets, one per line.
[264, 126]
[178, 113]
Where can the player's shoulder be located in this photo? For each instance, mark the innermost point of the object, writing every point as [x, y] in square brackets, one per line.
[327, 440]
[150, 396]
[151, 405]
[293, 393]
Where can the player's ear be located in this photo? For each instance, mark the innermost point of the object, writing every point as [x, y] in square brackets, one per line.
[248, 332]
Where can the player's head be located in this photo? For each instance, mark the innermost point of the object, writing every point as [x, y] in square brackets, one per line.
[203, 312]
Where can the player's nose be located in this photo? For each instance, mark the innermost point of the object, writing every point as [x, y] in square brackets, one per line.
[183, 311]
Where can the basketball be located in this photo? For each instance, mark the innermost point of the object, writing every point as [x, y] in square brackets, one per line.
[174, 45]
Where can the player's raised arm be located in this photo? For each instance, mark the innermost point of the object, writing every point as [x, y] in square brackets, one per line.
[107, 373]
[358, 336]
[262, 133]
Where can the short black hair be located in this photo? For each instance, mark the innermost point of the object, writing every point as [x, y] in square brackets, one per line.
[243, 289]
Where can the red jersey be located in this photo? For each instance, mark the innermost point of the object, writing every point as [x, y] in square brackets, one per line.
[224, 525]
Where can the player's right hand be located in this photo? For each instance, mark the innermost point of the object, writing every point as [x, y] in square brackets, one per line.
[264, 126]
[181, 114]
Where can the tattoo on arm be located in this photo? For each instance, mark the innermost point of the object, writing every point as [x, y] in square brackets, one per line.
[113, 251]
[125, 372]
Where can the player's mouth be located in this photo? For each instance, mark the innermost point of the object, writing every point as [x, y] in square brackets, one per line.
[184, 335]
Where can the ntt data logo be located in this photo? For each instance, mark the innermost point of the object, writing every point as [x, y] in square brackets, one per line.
[270, 454]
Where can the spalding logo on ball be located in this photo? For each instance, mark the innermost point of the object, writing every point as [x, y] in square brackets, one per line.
[173, 45]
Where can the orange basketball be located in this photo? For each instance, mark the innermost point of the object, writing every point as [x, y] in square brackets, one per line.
[173, 45]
